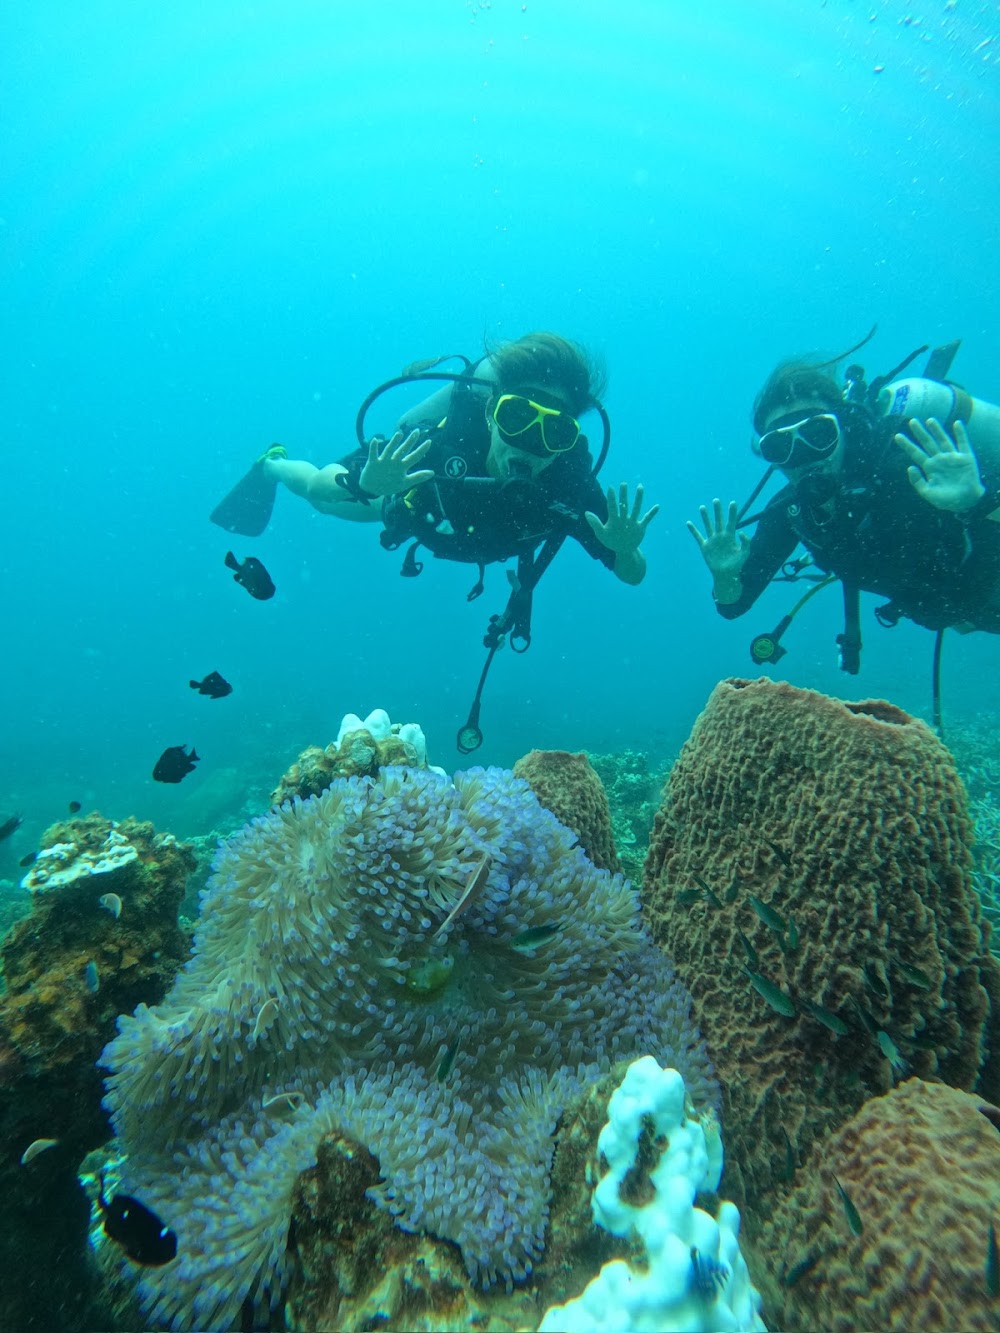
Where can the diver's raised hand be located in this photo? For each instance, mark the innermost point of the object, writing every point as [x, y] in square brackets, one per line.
[387, 471]
[723, 547]
[624, 530]
[943, 471]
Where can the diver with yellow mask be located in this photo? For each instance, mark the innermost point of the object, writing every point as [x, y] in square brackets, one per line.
[492, 467]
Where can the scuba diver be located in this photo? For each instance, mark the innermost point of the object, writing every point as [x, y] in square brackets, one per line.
[491, 467]
[893, 488]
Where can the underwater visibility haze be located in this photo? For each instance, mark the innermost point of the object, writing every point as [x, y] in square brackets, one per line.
[222, 227]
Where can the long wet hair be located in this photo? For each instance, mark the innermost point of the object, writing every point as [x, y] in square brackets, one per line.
[546, 359]
[796, 380]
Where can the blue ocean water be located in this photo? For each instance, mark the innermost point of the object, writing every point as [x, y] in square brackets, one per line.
[222, 225]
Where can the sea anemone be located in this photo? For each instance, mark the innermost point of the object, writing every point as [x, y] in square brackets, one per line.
[429, 966]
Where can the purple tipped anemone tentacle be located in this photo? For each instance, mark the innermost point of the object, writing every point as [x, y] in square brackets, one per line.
[329, 963]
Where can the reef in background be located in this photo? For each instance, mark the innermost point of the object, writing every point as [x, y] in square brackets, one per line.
[71, 967]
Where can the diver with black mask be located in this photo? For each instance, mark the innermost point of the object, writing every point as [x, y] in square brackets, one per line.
[885, 495]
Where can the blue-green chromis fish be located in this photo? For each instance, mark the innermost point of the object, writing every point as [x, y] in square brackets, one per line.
[447, 1060]
[891, 1052]
[779, 1001]
[850, 1212]
[782, 855]
[992, 1273]
[768, 915]
[826, 1017]
[914, 975]
[530, 939]
[91, 977]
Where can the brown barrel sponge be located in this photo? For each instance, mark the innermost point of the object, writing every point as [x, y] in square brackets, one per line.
[568, 786]
[834, 841]
[921, 1167]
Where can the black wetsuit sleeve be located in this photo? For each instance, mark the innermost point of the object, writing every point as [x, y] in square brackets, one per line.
[593, 499]
[771, 545]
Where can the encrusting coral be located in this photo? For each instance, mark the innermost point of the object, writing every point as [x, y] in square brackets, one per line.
[431, 968]
[567, 784]
[101, 937]
[809, 877]
[921, 1168]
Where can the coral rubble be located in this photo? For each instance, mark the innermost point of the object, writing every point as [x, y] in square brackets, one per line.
[432, 969]
[809, 876]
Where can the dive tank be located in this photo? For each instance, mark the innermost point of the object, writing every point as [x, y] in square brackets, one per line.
[921, 399]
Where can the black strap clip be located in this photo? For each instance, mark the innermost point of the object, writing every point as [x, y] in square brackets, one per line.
[411, 566]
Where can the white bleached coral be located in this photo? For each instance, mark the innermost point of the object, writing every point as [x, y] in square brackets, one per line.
[655, 1160]
[66, 862]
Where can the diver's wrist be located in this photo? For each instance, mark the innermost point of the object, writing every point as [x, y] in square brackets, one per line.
[727, 588]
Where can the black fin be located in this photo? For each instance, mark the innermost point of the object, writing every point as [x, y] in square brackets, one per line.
[246, 510]
[232, 562]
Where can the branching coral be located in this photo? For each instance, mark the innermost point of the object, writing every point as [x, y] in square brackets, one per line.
[335, 985]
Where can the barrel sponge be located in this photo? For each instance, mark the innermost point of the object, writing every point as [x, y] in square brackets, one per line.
[922, 1167]
[568, 785]
[431, 967]
[849, 821]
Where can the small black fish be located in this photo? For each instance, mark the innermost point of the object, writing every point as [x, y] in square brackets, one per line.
[137, 1230]
[174, 763]
[28, 860]
[10, 826]
[75, 807]
[251, 575]
[213, 685]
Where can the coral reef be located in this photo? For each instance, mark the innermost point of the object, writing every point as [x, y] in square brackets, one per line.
[567, 785]
[353, 1269]
[360, 750]
[431, 968]
[71, 966]
[974, 751]
[809, 876]
[633, 781]
[921, 1166]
